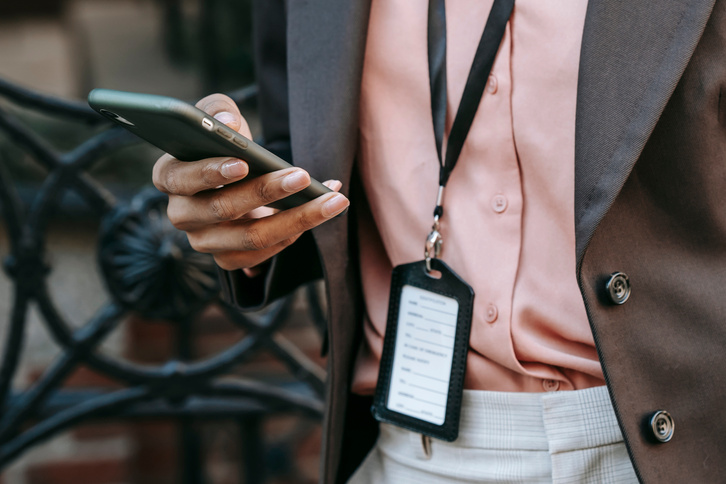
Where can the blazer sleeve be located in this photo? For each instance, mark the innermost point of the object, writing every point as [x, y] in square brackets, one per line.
[291, 268]
[299, 263]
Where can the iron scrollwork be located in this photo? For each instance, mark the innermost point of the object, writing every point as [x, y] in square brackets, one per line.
[149, 269]
[149, 266]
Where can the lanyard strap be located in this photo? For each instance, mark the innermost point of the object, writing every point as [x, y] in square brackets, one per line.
[473, 91]
[475, 83]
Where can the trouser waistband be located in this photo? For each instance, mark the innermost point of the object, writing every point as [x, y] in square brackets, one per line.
[564, 438]
[557, 421]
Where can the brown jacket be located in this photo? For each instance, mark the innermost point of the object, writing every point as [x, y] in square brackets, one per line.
[650, 201]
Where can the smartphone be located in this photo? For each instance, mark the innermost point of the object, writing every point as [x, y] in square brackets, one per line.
[189, 134]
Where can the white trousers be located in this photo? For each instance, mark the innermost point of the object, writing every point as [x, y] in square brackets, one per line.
[560, 437]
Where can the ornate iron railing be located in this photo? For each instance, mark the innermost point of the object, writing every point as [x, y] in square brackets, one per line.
[149, 269]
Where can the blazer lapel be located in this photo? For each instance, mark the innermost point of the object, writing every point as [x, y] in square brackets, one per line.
[633, 54]
[326, 42]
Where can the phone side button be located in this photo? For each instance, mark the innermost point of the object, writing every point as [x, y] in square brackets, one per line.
[224, 134]
[241, 142]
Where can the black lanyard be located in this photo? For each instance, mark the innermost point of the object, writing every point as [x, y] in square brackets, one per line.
[422, 300]
[470, 99]
[475, 83]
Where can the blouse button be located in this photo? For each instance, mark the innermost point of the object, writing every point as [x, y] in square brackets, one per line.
[550, 385]
[499, 203]
[492, 313]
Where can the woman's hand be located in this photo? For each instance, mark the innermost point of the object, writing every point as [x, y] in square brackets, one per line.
[224, 214]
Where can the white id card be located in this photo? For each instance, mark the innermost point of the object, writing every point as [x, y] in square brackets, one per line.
[423, 354]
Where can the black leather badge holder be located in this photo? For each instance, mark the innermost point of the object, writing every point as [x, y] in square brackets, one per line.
[421, 377]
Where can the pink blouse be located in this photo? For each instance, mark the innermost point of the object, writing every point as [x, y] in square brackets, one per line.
[508, 227]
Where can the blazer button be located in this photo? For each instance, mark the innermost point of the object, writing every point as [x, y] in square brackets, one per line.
[662, 425]
[618, 288]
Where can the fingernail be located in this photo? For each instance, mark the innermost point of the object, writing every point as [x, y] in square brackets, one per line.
[297, 180]
[334, 185]
[234, 169]
[225, 117]
[335, 204]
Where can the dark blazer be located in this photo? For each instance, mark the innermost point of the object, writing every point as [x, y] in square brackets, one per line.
[650, 193]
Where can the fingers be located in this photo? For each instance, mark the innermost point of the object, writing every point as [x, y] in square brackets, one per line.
[224, 213]
[235, 201]
[265, 233]
[251, 261]
[225, 110]
[180, 178]
[334, 185]
[176, 177]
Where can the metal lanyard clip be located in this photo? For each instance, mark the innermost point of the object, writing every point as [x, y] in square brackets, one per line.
[433, 245]
[432, 249]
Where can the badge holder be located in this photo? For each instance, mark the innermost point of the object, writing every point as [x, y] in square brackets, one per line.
[421, 377]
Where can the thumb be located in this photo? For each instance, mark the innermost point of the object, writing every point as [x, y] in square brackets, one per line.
[225, 110]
